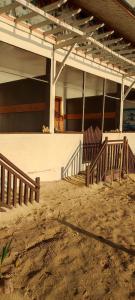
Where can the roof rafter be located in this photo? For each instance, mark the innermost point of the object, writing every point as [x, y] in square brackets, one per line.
[101, 36]
[61, 17]
[82, 21]
[93, 28]
[80, 35]
[65, 36]
[119, 47]
[70, 42]
[46, 8]
[71, 35]
[8, 7]
[112, 41]
[69, 14]
[40, 24]
[85, 47]
[126, 51]
[53, 31]
[54, 5]
[132, 55]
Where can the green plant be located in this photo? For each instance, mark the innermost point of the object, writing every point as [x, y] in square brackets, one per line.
[4, 254]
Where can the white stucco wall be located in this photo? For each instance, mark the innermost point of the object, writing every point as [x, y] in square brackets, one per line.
[40, 155]
[118, 136]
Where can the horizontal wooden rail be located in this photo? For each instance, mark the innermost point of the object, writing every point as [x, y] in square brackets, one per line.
[29, 107]
[87, 116]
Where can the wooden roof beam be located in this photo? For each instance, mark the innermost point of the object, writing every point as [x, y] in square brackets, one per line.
[69, 14]
[26, 17]
[81, 36]
[63, 16]
[54, 5]
[81, 21]
[130, 56]
[119, 47]
[46, 8]
[67, 43]
[65, 37]
[53, 31]
[8, 7]
[40, 24]
[85, 47]
[101, 36]
[126, 51]
[71, 35]
[113, 41]
[93, 28]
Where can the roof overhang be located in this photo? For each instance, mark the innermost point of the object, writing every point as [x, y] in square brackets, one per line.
[118, 14]
[66, 31]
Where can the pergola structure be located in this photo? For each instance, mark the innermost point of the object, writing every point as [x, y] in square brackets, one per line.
[68, 27]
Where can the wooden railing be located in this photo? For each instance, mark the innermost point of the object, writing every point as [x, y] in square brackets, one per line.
[114, 157]
[16, 186]
[83, 156]
[131, 161]
[78, 161]
[73, 166]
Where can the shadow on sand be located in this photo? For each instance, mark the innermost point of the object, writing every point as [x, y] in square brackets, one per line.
[97, 238]
[78, 180]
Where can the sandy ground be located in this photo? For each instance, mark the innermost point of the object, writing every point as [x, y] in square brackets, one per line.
[78, 243]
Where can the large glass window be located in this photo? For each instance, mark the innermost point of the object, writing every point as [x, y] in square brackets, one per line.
[24, 90]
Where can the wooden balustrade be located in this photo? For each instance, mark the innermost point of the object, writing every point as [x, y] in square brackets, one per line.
[16, 186]
[114, 157]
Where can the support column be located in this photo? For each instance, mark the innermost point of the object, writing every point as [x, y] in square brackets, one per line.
[47, 93]
[52, 93]
[103, 111]
[83, 96]
[121, 105]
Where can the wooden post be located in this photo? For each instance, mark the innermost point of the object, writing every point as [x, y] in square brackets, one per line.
[87, 176]
[37, 193]
[127, 155]
[52, 93]
[106, 158]
[121, 105]
[103, 111]
[124, 151]
[20, 192]
[2, 184]
[9, 188]
[80, 155]
[26, 194]
[83, 96]
[14, 190]
[31, 196]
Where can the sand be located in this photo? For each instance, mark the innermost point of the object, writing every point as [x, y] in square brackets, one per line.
[78, 243]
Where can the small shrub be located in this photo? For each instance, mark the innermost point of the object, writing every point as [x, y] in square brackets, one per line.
[4, 255]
